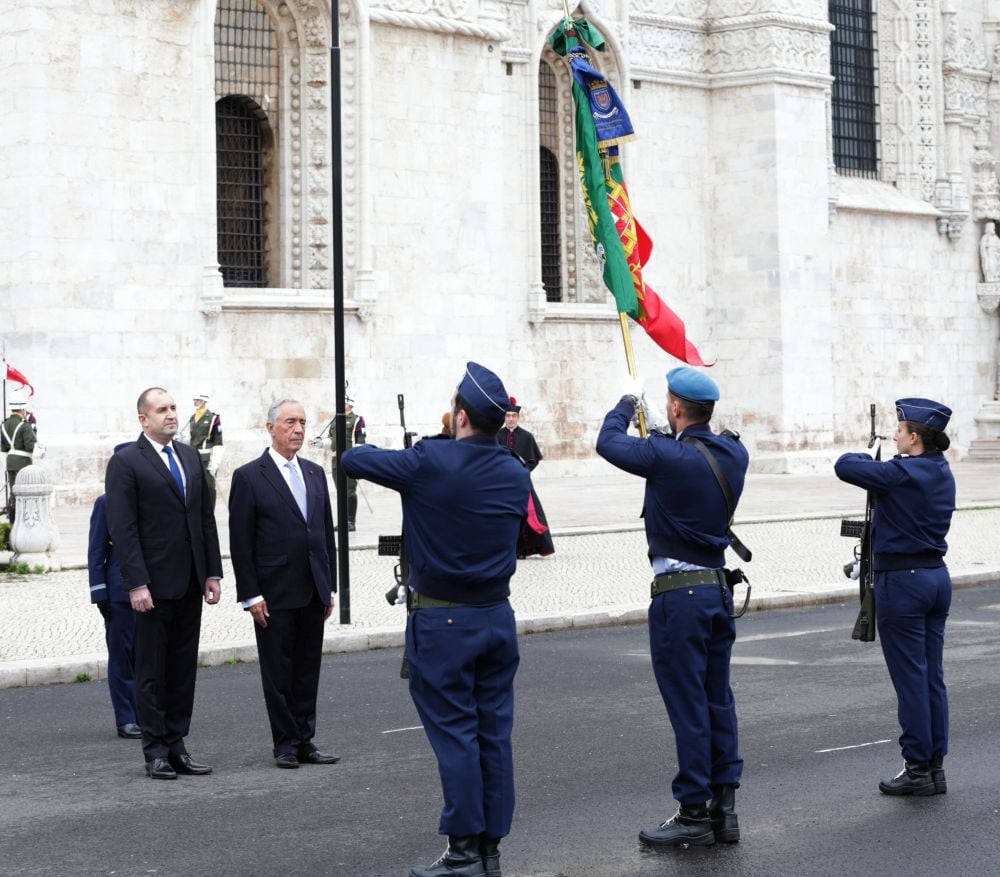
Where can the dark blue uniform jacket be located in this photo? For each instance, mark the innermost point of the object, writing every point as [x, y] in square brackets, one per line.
[102, 565]
[915, 500]
[684, 509]
[463, 504]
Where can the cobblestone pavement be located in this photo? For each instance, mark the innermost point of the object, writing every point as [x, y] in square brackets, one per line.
[598, 575]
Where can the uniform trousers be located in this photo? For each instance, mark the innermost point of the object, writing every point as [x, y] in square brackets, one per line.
[118, 634]
[911, 607]
[291, 651]
[166, 665]
[691, 637]
[462, 665]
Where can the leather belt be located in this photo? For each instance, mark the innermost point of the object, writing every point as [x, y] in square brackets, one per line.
[19, 454]
[422, 601]
[672, 581]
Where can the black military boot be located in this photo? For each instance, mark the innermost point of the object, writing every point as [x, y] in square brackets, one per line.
[489, 849]
[914, 779]
[937, 774]
[352, 511]
[722, 812]
[461, 859]
[690, 826]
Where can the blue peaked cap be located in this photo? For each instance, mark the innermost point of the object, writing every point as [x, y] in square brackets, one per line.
[692, 385]
[925, 411]
[484, 392]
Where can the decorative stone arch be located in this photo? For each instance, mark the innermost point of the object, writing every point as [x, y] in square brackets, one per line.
[581, 278]
[304, 155]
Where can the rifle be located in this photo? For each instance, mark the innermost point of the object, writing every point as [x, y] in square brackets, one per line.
[392, 546]
[862, 567]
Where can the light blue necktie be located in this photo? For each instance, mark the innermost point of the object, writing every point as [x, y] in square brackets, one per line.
[174, 468]
[298, 488]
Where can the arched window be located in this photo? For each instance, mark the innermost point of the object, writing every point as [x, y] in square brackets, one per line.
[246, 116]
[548, 183]
[240, 134]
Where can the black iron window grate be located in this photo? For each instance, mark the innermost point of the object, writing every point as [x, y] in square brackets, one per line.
[240, 193]
[246, 58]
[548, 110]
[853, 64]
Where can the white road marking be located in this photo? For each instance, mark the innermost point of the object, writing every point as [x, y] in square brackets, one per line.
[774, 662]
[764, 636]
[397, 730]
[855, 746]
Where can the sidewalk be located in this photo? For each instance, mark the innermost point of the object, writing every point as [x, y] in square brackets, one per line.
[598, 575]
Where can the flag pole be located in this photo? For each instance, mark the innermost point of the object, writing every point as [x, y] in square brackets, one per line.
[633, 372]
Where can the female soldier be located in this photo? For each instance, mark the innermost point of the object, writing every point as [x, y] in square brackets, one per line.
[914, 499]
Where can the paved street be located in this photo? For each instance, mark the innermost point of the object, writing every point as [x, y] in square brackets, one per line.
[598, 575]
[594, 758]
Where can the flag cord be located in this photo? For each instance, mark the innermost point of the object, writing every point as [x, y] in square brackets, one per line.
[630, 359]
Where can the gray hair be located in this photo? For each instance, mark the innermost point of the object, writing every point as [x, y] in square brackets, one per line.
[272, 412]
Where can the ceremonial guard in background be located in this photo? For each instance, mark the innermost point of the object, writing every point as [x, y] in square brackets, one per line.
[535, 536]
[356, 435]
[204, 433]
[108, 593]
[463, 505]
[691, 629]
[914, 501]
[17, 441]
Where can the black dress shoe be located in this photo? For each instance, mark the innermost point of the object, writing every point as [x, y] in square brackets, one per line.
[317, 757]
[185, 764]
[286, 761]
[130, 731]
[160, 769]
[914, 779]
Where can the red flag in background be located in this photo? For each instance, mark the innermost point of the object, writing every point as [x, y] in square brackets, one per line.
[14, 375]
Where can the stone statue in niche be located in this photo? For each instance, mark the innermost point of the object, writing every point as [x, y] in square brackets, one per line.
[989, 253]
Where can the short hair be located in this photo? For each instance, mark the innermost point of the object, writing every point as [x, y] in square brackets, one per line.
[272, 412]
[480, 423]
[140, 404]
[696, 412]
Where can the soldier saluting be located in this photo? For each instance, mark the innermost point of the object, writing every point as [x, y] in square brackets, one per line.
[204, 433]
[691, 629]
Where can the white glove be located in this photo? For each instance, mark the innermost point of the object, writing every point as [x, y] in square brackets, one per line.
[634, 388]
[212, 470]
[874, 449]
[39, 452]
[656, 421]
[321, 442]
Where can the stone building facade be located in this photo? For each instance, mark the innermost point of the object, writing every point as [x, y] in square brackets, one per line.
[815, 290]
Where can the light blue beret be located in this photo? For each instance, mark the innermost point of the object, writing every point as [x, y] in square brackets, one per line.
[692, 385]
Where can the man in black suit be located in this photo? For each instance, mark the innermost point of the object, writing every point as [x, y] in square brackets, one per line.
[163, 528]
[285, 561]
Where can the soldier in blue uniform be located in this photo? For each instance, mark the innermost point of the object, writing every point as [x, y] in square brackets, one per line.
[914, 501]
[112, 600]
[463, 505]
[691, 629]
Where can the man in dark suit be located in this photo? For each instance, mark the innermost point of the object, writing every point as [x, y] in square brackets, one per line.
[285, 561]
[109, 595]
[163, 528]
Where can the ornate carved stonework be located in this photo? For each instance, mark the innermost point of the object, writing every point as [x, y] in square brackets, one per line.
[442, 16]
[765, 46]
[985, 186]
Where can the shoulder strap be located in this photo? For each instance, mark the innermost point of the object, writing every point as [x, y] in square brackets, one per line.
[741, 550]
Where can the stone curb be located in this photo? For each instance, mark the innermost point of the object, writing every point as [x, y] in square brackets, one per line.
[47, 671]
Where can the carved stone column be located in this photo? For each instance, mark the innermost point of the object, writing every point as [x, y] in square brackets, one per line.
[34, 537]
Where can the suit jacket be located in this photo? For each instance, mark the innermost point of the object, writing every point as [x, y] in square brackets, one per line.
[162, 538]
[102, 565]
[277, 554]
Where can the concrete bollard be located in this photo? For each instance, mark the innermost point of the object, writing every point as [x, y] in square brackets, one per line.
[34, 537]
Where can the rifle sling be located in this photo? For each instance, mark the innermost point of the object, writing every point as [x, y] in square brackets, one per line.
[738, 547]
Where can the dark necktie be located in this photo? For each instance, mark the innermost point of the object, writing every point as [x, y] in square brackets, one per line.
[175, 470]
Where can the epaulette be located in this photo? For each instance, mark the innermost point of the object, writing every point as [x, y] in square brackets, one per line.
[730, 433]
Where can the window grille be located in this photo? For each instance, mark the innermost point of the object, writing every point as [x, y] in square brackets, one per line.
[853, 63]
[548, 109]
[246, 57]
[240, 193]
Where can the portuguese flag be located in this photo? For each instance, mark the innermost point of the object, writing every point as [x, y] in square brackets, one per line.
[622, 246]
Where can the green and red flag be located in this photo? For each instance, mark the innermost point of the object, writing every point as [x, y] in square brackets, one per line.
[622, 246]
